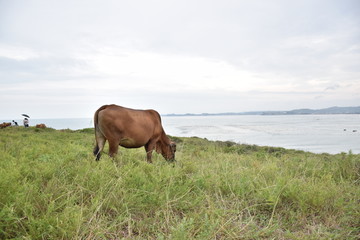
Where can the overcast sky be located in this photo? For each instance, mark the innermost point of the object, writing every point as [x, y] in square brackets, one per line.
[61, 59]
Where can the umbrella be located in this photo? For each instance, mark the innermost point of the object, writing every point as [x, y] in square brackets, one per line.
[25, 115]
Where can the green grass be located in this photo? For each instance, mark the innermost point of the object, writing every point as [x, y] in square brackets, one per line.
[51, 188]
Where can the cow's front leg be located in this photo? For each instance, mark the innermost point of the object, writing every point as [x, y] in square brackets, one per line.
[149, 147]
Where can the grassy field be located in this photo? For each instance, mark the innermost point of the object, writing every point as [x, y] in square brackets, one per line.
[51, 188]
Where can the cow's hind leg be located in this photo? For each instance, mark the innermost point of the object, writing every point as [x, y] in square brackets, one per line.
[113, 148]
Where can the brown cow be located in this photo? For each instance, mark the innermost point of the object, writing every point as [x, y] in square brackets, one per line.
[131, 128]
[4, 125]
[41, 125]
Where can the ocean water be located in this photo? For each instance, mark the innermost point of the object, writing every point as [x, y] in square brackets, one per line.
[314, 133]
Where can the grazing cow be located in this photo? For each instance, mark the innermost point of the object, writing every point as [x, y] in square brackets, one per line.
[131, 128]
[41, 125]
[4, 125]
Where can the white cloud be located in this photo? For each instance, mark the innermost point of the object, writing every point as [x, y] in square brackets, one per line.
[16, 52]
[179, 55]
[135, 69]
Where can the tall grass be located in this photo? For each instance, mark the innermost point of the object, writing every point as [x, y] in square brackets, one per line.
[51, 188]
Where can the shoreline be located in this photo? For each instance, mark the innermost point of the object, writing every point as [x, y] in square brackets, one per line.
[210, 141]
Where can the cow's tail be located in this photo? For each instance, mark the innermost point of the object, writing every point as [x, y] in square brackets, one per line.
[99, 136]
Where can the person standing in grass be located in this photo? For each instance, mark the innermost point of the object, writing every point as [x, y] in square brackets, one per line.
[15, 123]
[26, 122]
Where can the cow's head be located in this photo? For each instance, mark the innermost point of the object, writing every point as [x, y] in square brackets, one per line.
[168, 150]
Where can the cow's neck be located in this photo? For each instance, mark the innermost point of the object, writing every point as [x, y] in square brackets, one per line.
[164, 139]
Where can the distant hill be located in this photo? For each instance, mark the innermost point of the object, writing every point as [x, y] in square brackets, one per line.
[330, 110]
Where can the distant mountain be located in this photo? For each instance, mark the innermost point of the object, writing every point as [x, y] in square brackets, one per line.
[330, 110]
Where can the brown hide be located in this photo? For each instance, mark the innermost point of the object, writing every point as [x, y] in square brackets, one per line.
[41, 125]
[4, 125]
[131, 128]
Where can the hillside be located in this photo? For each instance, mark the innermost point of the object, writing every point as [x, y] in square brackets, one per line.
[51, 188]
[331, 110]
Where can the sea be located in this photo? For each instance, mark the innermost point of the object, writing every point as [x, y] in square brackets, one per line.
[314, 133]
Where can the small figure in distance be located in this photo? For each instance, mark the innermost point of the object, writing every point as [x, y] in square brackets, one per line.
[26, 122]
[15, 123]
